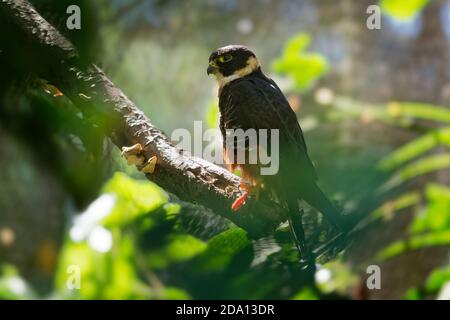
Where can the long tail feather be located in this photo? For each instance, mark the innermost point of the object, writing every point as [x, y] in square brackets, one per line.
[317, 199]
[298, 236]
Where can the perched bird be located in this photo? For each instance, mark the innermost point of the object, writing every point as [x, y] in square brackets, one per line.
[248, 99]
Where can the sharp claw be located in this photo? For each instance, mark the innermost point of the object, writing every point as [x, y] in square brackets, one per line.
[136, 160]
[239, 202]
[51, 89]
[133, 154]
[150, 166]
[135, 149]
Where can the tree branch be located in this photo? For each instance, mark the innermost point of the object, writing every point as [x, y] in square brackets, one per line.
[191, 179]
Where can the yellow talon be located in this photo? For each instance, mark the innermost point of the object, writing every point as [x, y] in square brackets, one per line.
[150, 166]
[133, 154]
[51, 89]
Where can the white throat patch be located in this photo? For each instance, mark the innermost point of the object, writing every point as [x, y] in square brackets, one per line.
[252, 65]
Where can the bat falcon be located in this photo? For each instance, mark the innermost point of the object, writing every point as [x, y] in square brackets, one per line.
[248, 99]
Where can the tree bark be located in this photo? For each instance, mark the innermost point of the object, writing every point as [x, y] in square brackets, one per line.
[101, 102]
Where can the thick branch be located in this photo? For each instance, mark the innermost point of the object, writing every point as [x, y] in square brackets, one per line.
[191, 179]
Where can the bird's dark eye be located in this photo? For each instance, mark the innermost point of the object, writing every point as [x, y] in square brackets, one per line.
[225, 58]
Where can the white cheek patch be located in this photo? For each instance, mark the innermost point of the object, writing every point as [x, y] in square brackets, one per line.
[252, 65]
[225, 80]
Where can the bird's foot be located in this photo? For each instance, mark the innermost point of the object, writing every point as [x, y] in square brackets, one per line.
[135, 155]
[240, 201]
[51, 89]
[150, 165]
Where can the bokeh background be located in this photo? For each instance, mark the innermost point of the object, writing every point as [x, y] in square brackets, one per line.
[374, 106]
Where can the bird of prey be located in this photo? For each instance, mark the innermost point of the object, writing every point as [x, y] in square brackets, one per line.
[248, 99]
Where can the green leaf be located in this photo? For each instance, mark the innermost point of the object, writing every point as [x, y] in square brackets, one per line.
[413, 294]
[425, 165]
[135, 198]
[416, 148]
[419, 110]
[171, 293]
[416, 242]
[221, 249]
[110, 275]
[180, 248]
[417, 168]
[79, 256]
[122, 281]
[303, 67]
[437, 279]
[402, 9]
[437, 214]
[397, 204]
[305, 294]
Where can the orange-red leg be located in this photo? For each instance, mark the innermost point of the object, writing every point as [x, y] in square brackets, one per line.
[240, 201]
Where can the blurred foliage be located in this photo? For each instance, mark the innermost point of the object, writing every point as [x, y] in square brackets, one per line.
[212, 115]
[416, 158]
[416, 147]
[137, 242]
[306, 294]
[336, 277]
[402, 10]
[423, 156]
[131, 243]
[111, 272]
[12, 286]
[304, 68]
[437, 279]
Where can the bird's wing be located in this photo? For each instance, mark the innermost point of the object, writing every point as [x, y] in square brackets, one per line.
[256, 103]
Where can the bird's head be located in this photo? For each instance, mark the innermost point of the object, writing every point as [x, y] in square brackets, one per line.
[232, 62]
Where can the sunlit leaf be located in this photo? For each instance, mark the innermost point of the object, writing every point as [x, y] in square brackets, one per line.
[110, 275]
[79, 259]
[303, 67]
[416, 242]
[416, 148]
[413, 294]
[425, 165]
[401, 9]
[123, 281]
[172, 293]
[179, 248]
[134, 199]
[436, 217]
[397, 204]
[420, 167]
[437, 279]
[305, 294]
[419, 110]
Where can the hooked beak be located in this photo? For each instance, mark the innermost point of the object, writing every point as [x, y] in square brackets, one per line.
[211, 69]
